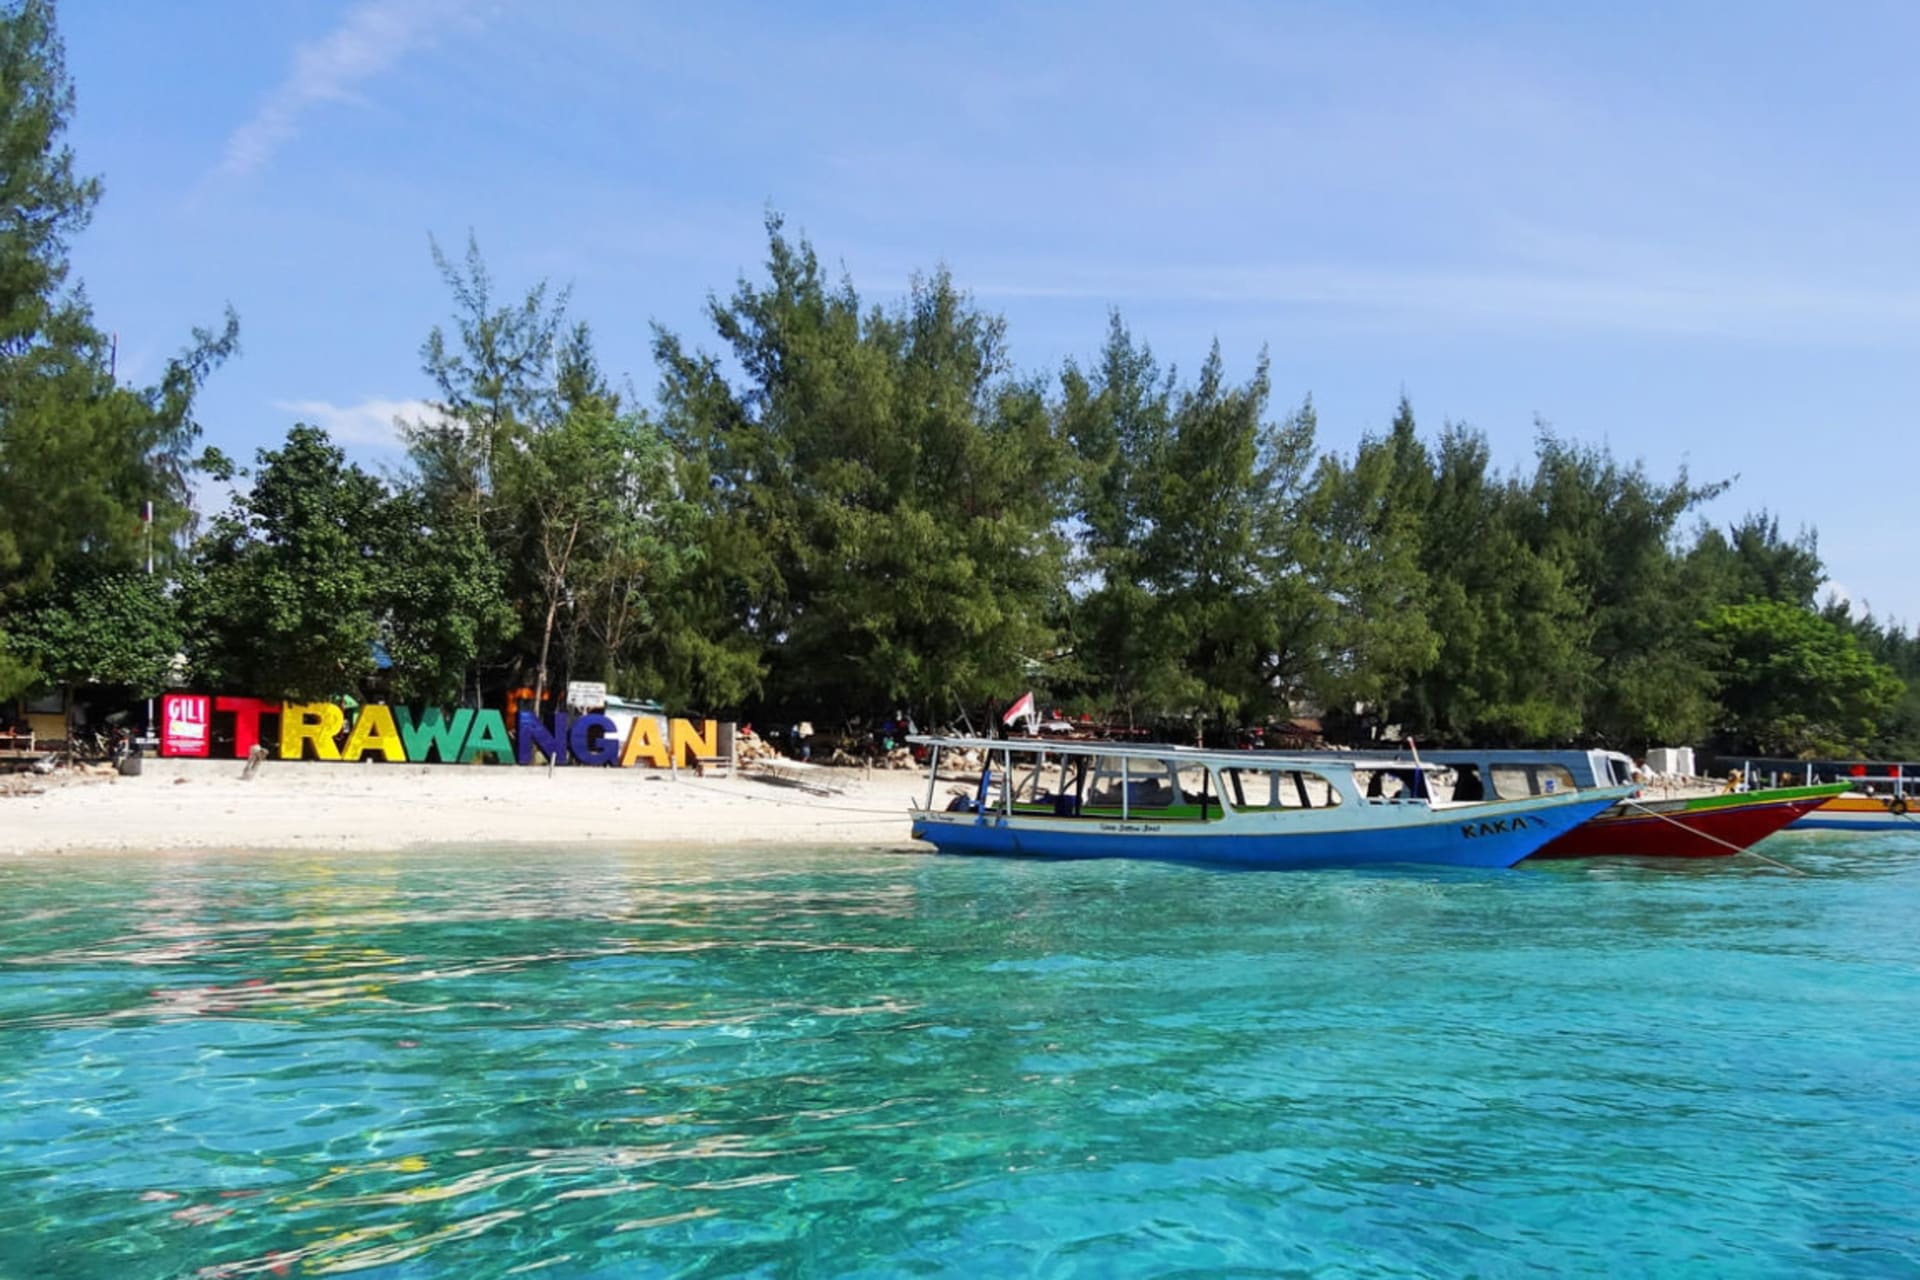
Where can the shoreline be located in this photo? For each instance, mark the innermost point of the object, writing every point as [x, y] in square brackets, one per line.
[206, 806]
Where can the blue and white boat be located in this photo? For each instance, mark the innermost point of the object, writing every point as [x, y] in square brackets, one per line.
[1066, 799]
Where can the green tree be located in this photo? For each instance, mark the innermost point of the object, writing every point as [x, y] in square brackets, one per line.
[1613, 527]
[876, 498]
[1223, 556]
[43, 200]
[1365, 524]
[590, 490]
[80, 455]
[1898, 650]
[443, 606]
[497, 383]
[568, 491]
[283, 597]
[1795, 683]
[114, 629]
[1117, 417]
[1514, 633]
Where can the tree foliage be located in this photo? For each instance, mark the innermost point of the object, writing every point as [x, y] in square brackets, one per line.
[444, 607]
[533, 461]
[876, 497]
[43, 199]
[81, 456]
[284, 595]
[1796, 683]
[1366, 520]
[116, 628]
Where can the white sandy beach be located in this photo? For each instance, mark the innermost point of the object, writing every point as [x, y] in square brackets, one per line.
[205, 804]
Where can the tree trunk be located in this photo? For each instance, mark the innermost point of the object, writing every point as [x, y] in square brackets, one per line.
[557, 580]
[546, 640]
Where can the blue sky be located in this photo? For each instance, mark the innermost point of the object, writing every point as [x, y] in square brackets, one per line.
[1685, 231]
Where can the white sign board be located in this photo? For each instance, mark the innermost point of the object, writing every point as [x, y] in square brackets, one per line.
[586, 695]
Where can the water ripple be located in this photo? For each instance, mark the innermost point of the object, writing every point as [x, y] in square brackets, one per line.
[837, 1063]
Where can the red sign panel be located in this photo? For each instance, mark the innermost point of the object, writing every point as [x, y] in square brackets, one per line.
[184, 720]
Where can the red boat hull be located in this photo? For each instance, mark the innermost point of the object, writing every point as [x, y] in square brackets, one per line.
[1624, 831]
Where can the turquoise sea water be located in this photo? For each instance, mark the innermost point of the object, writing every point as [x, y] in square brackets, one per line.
[872, 1064]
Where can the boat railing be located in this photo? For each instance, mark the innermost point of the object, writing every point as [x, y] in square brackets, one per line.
[1891, 778]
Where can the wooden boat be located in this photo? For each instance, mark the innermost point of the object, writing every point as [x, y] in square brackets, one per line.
[1065, 799]
[1703, 824]
[1689, 826]
[1856, 811]
[1879, 795]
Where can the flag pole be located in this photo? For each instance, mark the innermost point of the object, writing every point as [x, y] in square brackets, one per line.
[146, 518]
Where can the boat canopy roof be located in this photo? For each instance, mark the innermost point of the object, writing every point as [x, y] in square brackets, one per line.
[1224, 758]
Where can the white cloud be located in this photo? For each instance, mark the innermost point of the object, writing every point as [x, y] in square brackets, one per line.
[371, 422]
[374, 36]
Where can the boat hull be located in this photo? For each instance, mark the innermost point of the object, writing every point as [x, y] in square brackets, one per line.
[1859, 813]
[1704, 827]
[1487, 836]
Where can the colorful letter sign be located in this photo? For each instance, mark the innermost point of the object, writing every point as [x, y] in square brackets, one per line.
[324, 731]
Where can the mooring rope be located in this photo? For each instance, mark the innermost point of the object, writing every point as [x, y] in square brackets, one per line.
[1715, 839]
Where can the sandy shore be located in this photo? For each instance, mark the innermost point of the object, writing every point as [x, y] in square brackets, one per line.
[196, 804]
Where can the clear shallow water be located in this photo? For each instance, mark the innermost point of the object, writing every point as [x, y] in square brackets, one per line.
[869, 1064]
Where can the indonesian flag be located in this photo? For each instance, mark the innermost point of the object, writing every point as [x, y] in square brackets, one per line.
[1024, 707]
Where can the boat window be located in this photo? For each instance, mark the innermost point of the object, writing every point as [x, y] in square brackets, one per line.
[1252, 790]
[1467, 783]
[1388, 784]
[1043, 782]
[1517, 781]
[1104, 783]
[1152, 784]
[1029, 777]
[1199, 793]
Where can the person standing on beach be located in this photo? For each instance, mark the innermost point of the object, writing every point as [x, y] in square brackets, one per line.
[805, 732]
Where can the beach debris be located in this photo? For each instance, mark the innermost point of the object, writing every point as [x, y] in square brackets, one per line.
[750, 749]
